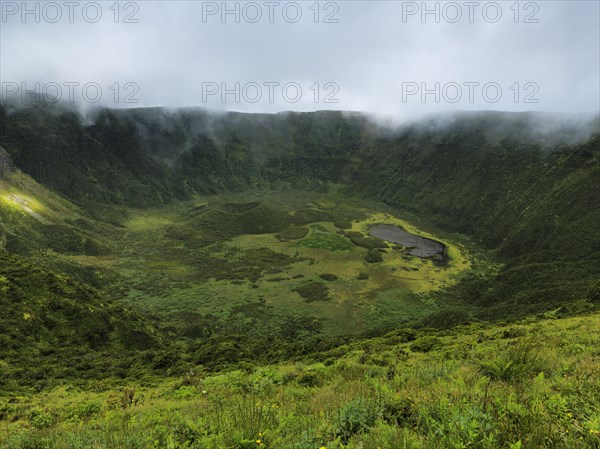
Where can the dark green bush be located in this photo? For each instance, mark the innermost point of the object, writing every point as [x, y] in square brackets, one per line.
[292, 233]
[400, 411]
[314, 291]
[328, 277]
[445, 319]
[343, 224]
[426, 344]
[373, 256]
[365, 242]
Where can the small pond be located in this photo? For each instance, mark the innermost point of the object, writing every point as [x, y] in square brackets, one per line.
[418, 246]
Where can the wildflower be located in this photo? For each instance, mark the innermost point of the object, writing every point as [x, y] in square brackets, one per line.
[594, 432]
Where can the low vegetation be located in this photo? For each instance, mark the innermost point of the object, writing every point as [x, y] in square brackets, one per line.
[528, 384]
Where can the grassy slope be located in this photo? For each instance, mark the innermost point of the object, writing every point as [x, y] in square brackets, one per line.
[55, 324]
[55, 328]
[536, 208]
[528, 384]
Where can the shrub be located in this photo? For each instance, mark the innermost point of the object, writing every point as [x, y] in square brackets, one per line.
[292, 233]
[343, 224]
[519, 361]
[513, 332]
[125, 398]
[356, 416]
[85, 410]
[445, 319]
[399, 411]
[314, 291]
[426, 344]
[310, 379]
[185, 392]
[366, 242]
[328, 277]
[373, 256]
[405, 335]
[40, 419]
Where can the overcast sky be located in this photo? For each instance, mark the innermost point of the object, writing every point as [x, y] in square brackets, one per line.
[377, 57]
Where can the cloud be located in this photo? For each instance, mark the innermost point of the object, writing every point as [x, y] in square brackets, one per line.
[372, 59]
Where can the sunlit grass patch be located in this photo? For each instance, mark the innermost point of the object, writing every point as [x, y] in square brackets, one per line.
[324, 203]
[17, 201]
[326, 241]
[148, 222]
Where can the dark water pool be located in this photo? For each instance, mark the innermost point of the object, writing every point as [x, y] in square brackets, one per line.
[418, 246]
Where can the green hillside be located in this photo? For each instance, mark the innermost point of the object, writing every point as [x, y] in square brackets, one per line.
[527, 384]
[189, 279]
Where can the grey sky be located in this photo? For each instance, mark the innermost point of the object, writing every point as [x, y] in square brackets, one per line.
[371, 56]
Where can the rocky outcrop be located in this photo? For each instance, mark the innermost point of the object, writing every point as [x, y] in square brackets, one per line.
[6, 164]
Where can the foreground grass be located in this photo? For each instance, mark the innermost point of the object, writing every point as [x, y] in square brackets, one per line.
[530, 384]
